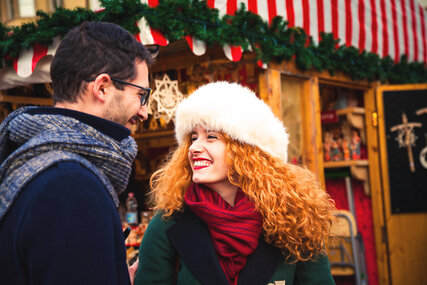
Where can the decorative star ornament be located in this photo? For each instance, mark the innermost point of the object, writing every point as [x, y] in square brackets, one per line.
[165, 98]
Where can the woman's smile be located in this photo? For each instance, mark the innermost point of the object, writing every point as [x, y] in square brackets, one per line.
[200, 163]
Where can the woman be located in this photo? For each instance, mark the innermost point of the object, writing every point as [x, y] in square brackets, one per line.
[230, 209]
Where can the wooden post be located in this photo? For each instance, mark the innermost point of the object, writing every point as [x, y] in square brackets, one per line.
[270, 90]
[371, 122]
[312, 129]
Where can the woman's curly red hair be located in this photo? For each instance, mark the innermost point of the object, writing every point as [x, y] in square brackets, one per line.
[296, 211]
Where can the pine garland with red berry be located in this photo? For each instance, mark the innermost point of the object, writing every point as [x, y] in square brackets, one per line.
[177, 18]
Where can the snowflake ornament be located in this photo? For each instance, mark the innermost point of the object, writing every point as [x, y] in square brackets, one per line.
[165, 99]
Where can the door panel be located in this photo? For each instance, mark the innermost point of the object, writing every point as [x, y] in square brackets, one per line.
[403, 150]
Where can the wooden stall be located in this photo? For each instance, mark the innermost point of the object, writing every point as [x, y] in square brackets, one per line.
[398, 236]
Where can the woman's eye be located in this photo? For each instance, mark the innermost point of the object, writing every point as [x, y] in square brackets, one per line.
[193, 139]
[212, 136]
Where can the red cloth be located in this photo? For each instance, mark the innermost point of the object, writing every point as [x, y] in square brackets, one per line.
[234, 230]
[365, 225]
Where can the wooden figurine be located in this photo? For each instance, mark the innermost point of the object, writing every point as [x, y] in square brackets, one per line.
[355, 145]
[327, 146]
[335, 151]
[345, 149]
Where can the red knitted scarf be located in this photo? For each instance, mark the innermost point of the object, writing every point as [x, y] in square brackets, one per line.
[234, 230]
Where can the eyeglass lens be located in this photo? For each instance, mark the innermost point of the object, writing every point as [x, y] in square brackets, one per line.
[145, 92]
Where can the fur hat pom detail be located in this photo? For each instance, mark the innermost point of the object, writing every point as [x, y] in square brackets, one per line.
[236, 111]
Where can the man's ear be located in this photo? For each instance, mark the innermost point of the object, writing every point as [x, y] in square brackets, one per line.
[101, 86]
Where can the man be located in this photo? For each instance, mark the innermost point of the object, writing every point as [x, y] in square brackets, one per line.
[62, 167]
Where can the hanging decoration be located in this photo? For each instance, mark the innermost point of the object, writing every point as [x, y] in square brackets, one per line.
[244, 31]
[165, 99]
[423, 152]
[406, 137]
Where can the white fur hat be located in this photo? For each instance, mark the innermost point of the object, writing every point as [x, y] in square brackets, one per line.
[236, 111]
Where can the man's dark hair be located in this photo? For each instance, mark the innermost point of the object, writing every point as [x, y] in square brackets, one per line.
[89, 50]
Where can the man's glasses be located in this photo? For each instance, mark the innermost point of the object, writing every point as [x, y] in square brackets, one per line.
[144, 93]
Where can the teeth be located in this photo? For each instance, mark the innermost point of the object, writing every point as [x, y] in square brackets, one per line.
[201, 163]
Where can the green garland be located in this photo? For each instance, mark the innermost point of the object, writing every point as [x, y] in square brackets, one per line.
[177, 18]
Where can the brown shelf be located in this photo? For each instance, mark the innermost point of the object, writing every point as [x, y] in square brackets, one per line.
[351, 110]
[355, 116]
[345, 163]
[26, 100]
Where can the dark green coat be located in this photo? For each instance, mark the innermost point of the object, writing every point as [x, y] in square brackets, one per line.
[187, 238]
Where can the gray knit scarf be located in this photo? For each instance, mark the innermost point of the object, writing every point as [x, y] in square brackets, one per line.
[45, 139]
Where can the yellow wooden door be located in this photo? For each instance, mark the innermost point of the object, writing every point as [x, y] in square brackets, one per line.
[402, 126]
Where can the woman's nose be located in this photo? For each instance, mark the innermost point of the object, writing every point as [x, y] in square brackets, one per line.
[196, 146]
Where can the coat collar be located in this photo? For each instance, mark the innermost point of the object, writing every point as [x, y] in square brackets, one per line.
[190, 237]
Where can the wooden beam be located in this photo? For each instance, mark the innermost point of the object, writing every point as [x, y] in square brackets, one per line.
[338, 79]
[42, 5]
[71, 4]
[270, 90]
[345, 163]
[25, 100]
[312, 128]
[178, 56]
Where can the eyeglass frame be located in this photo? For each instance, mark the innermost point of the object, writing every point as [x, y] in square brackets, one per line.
[144, 97]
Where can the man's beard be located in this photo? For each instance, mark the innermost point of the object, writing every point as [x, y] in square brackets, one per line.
[116, 112]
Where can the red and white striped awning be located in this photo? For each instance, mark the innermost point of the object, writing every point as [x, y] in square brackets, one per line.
[385, 27]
